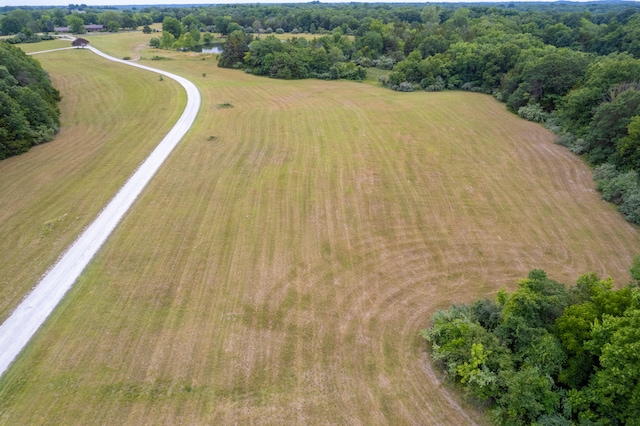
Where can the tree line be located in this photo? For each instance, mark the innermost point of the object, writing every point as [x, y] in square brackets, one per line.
[546, 354]
[29, 113]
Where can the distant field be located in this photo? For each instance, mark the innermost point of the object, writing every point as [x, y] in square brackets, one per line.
[279, 267]
[121, 44]
[112, 117]
[44, 45]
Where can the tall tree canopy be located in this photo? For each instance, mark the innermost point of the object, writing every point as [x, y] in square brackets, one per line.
[29, 112]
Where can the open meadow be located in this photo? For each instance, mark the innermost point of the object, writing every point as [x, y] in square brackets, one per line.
[280, 265]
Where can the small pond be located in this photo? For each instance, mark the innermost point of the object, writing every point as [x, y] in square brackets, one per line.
[213, 48]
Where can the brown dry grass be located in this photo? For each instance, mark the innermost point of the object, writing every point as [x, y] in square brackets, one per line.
[279, 267]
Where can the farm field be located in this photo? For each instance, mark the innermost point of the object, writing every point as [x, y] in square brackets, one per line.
[52, 192]
[281, 263]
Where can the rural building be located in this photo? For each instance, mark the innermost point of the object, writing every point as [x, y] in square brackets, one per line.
[91, 28]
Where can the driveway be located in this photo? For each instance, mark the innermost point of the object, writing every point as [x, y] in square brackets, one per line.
[27, 318]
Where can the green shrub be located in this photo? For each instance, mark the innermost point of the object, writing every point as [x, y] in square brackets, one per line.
[533, 112]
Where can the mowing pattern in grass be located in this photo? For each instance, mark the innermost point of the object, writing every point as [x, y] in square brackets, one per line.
[280, 266]
[111, 119]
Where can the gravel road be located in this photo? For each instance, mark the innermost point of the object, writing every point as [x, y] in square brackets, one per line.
[25, 321]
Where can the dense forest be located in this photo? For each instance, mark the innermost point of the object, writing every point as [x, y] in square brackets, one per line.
[545, 354]
[29, 112]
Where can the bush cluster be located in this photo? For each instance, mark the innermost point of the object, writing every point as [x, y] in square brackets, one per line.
[324, 57]
[29, 112]
[621, 189]
[544, 354]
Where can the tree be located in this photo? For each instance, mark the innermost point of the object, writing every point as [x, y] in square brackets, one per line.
[15, 134]
[58, 16]
[235, 47]
[191, 21]
[221, 24]
[79, 42]
[146, 29]
[76, 24]
[233, 26]
[372, 42]
[602, 74]
[613, 393]
[24, 17]
[167, 40]
[195, 35]
[10, 25]
[207, 38]
[573, 329]
[29, 112]
[533, 363]
[113, 26]
[185, 42]
[172, 26]
[143, 19]
[547, 79]
[628, 148]
[110, 16]
[609, 124]
[635, 271]
[527, 395]
[431, 16]
[128, 21]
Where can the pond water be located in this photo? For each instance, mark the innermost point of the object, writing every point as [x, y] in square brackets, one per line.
[212, 49]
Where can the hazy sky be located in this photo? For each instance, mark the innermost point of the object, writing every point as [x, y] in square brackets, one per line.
[143, 2]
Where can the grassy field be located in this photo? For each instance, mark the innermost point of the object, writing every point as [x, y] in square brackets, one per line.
[44, 45]
[287, 36]
[121, 44]
[51, 193]
[279, 267]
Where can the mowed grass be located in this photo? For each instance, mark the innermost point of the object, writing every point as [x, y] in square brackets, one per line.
[279, 266]
[112, 117]
[44, 45]
[122, 44]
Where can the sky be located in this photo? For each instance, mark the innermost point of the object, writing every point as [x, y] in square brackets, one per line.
[159, 2]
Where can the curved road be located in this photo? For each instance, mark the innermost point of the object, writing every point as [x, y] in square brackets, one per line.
[25, 321]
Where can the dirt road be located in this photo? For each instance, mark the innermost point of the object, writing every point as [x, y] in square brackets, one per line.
[25, 321]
